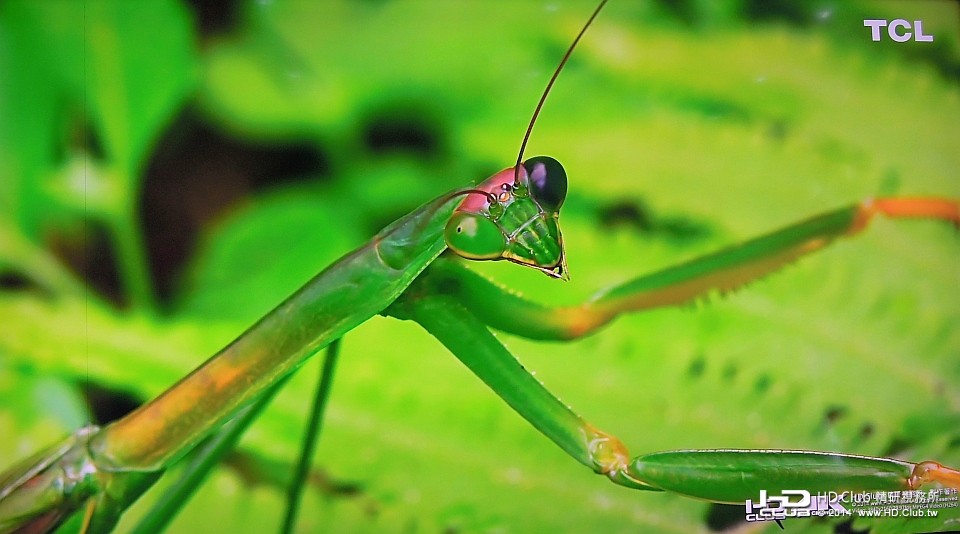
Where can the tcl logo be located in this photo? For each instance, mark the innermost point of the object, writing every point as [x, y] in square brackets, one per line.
[898, 30]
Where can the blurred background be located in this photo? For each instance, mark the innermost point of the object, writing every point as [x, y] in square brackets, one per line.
[169, 171]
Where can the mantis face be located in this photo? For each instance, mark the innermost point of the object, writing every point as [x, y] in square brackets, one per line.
[517, 218]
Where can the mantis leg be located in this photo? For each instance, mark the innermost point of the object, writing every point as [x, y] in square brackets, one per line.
[722, 271]
[312, 435]
[467, 338]
[730, 476]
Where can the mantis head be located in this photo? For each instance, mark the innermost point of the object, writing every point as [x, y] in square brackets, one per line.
[513, 215]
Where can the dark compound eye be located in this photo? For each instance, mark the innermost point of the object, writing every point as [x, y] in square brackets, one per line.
[548, 182]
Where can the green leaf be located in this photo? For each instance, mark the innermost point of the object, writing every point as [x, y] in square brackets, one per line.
[128, 64]
[100, 80]
[124, 67]
[264, 252]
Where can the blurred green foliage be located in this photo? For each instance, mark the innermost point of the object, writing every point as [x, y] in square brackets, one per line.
[166, 178]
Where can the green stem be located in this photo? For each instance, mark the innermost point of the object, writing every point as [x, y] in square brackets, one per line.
[312, 436]
[132, 259]
[22, 256]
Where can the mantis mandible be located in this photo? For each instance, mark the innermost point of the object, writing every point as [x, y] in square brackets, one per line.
[513, 215]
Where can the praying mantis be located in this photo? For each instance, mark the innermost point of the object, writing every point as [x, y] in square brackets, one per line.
[456, 287]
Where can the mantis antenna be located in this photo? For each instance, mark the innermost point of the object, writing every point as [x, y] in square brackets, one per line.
[546, 91]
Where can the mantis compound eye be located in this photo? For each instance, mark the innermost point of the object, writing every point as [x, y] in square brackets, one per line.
[548, 182]
[473, 236]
